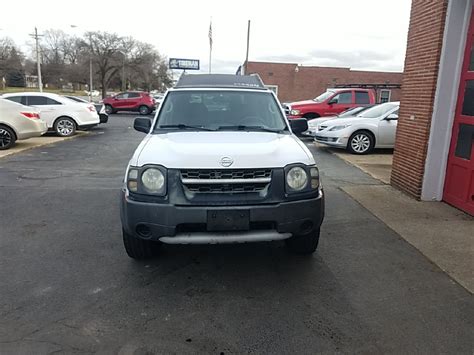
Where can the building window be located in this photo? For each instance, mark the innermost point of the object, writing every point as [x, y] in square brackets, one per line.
[384, 96]
[273, 88]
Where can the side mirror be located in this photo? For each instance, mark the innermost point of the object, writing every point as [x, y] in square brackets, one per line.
[142, 124]
[392, 117]
[299, 125]
[332, 102]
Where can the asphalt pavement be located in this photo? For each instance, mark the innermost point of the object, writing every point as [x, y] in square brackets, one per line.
[67, 286]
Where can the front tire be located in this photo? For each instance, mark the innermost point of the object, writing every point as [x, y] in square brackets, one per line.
[144, 110]
[65, 127]
[139, 249]
[361, 142]
[7, 138]
[305, 244]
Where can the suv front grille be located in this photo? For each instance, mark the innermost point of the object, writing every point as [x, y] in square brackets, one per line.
[226, 181]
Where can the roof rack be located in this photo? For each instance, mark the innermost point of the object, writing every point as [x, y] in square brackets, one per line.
[221, 81]
[369, 86]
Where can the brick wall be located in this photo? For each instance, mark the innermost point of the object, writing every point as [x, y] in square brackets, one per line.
[304, 82]
[425, 39]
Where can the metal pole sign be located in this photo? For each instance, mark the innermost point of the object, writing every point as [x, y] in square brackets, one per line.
[185, 64]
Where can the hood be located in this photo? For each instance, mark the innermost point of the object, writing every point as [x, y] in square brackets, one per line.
[206, 149]
[317, 121]
[346, 120]
[302, 103]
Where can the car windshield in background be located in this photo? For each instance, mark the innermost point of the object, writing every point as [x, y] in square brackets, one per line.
[351, 112]
[378, 110]
[220, 110]
[323, 96]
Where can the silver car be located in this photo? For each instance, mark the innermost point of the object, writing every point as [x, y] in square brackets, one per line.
[373, 128]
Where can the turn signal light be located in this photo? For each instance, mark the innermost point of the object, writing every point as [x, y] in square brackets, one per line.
[32, 115]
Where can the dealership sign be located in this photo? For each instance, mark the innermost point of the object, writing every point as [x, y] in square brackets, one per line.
[186, 64]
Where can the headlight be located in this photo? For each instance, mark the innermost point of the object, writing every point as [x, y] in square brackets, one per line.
[297, 178]
[314, 172]
[132, 182]
[295, 112]
[153, 180]
[338, 128]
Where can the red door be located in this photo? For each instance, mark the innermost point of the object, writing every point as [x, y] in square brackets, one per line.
[459, 184]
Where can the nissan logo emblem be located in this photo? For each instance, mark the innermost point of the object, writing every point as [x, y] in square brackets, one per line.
[226, 162]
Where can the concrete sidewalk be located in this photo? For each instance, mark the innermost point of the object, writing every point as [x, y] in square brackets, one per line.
[442, 233]
[378, 164]
[31, 143]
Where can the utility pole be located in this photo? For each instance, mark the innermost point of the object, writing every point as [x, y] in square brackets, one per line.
[124, 84]
[36, 36]
[90, 79]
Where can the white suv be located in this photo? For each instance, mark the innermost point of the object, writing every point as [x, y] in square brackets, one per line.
[220, 164]
[61, 114]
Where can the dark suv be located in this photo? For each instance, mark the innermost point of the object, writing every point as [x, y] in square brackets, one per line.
[137, 101]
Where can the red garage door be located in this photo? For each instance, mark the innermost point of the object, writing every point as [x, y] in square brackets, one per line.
[459, 184]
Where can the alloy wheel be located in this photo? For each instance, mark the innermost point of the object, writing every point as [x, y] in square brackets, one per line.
[360, 143]
[5, 138]
[65, 127]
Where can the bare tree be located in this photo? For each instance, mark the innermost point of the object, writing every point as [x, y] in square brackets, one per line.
[104, 48]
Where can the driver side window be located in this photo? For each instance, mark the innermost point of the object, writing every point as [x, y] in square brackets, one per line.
[342, 98]
[121, 96]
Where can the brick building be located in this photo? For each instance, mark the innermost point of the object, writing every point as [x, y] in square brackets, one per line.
[293, 82]
[433, 158]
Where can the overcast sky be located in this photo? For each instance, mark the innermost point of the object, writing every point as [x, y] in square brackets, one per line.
[361, 34]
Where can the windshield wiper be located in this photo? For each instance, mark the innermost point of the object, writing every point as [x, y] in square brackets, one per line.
[183, 126]
[249, 128]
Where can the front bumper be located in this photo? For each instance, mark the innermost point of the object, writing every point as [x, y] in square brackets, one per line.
[335, 139]
[188, 224]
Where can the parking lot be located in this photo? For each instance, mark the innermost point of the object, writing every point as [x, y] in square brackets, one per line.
[66, 284]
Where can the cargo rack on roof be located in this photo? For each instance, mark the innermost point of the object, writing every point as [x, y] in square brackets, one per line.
[220, 81]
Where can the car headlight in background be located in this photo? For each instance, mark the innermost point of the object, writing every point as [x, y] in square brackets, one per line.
[295, 112]
[297, 178]
[338, 128]
[153, 181]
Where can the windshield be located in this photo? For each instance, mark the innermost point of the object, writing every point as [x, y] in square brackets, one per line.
[378, 111]
[323, 96]
[220, 110]
[351, 112]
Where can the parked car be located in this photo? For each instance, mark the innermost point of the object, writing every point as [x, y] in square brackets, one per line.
[138, 101]
[62, 115]
[330, 103]
[100, 108]
[373, 128]
[220, 164]
[18, 122]
[158, 99]
[315, 122]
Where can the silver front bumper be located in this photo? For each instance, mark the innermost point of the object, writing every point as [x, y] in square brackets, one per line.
[225, 237]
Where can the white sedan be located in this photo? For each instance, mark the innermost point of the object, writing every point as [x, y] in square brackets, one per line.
[61, 114]
[373, 128]
[18, 122]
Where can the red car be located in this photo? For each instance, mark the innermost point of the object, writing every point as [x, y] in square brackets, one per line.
[137, 101]
[330, 103]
